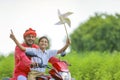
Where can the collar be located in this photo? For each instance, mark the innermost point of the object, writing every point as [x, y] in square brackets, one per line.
[45, 52]
[33, 45]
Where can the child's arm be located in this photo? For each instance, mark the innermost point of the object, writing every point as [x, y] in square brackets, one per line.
[68, 42]
[12, 36]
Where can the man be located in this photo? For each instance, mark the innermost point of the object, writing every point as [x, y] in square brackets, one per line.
[22, 62]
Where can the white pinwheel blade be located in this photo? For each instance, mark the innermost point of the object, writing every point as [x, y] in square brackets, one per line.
[64, 18]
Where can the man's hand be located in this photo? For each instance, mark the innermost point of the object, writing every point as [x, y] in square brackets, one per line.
[34, 65]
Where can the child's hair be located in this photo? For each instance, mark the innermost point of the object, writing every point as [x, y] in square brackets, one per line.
[42, 38]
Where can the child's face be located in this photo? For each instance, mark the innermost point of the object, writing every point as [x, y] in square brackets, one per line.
[43, 43]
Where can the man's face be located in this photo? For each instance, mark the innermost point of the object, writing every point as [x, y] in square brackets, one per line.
[29, 39]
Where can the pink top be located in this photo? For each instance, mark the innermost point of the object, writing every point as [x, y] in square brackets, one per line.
[22, 62]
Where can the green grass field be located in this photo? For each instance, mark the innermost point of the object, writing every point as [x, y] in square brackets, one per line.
[84, 66]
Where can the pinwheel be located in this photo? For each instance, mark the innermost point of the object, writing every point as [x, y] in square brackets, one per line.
[64, 19]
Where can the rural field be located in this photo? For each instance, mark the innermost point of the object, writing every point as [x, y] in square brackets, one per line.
[84, 66]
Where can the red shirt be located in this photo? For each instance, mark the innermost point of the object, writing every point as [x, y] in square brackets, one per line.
[22, 62]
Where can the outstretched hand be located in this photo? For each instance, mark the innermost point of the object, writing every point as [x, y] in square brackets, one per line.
[12, 36]
[68, 41]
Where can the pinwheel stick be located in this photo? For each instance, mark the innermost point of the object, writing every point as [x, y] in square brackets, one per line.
[66, 30]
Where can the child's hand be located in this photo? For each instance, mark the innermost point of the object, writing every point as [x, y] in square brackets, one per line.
[68, 42]
[12, 35]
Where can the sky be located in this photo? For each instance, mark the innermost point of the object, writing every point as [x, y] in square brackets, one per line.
[42, 15]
